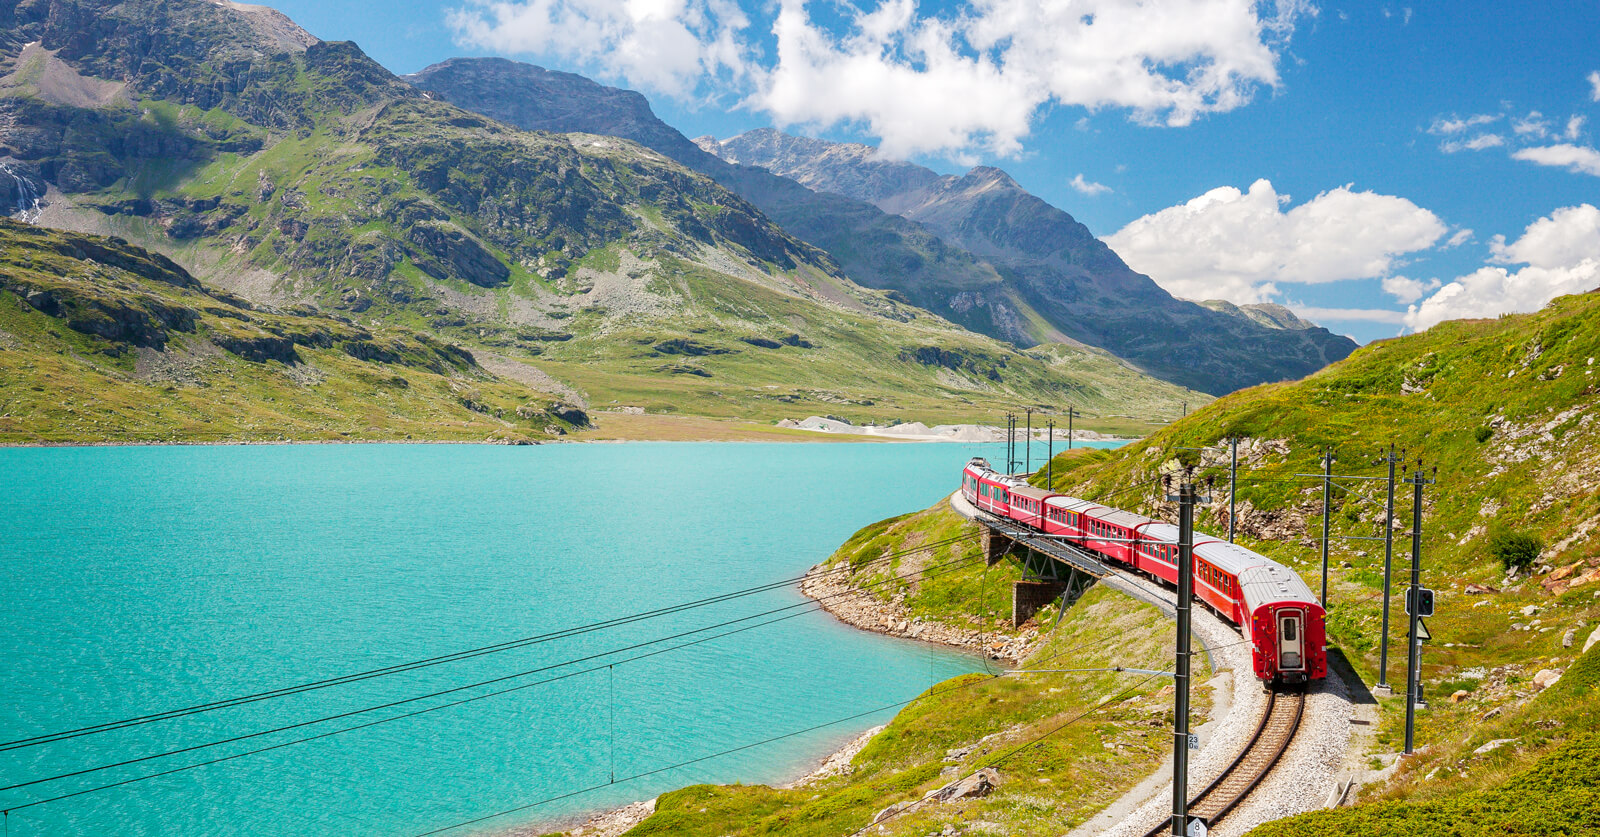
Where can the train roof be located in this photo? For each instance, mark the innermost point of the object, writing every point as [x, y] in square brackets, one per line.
[1127, 519]
[1228, 557]
[1031, 492]
[1062, 501]
[1272, 582]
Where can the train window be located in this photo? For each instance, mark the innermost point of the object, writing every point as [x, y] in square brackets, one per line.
[1288, 629]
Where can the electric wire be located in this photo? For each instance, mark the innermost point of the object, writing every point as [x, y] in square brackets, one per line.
[457, 656]
[811, 606]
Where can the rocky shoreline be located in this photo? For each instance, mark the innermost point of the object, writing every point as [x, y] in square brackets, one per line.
[839, 596]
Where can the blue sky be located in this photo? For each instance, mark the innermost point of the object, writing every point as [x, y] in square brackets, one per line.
[1377, 167]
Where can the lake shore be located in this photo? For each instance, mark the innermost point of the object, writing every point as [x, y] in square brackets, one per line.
[617, 426]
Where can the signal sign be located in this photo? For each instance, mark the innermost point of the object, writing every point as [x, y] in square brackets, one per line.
[1419, 600]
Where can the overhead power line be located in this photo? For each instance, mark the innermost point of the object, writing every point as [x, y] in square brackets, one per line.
[809, 606]
[566, 633]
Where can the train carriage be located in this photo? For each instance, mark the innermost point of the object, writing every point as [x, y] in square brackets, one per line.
[1028, 504]
[1272, 606]
[1112, 531]
[1070, 516]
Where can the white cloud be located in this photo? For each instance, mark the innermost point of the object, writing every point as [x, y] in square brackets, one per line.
[1577, 158]
[1574, 126]
[1457, 124]
[1533, 124]
[962, 79]
[1088, 187]
[1561, 254]
[1236, 245]
[1477, 143]
[1594, 82]
[664, 45]
[1406, 291]
[1462, 236]
[1322, 316]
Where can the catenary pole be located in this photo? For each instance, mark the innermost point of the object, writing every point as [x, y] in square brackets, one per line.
[1233, 481]
[1388, 568]
[1327, 484]
[1050, 456]
[1027, 445]
[1180, 710]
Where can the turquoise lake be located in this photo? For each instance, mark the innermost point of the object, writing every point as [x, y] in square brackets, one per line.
[146, 579]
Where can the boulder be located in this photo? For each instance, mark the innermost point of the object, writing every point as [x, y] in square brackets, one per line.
[1590, 642]
[1479, 589]
[1493, 745]
[890, 811]
[569, 413]
[1531, 610]
[978, 784]
[1546, 678]
[1459, 695]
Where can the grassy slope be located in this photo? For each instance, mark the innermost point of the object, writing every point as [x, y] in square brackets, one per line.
[135, 350]
[335, 191]
[1526, 387]
[1061, 781]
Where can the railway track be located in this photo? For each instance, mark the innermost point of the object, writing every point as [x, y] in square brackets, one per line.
[1271, 738]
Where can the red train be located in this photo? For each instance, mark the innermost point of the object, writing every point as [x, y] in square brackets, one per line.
[1274, 609]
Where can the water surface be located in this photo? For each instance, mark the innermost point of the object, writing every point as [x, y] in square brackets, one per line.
[149, 578]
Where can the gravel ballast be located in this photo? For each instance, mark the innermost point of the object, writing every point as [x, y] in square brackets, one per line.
[1304, 778]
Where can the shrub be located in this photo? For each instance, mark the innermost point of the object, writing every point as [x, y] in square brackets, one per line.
[1515, 550]
[1483, 434]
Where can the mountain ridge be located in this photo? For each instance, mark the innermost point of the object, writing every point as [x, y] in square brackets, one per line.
[294, 170]
[977, 249]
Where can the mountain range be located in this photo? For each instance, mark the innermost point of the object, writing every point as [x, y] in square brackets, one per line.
[977, 249]
[291, 171]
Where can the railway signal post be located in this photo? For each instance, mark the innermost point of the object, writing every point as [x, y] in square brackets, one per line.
[1414, 612]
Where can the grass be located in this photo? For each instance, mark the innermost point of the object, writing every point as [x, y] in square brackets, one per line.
[1065, 745]
[1532, 380]
[71, 377]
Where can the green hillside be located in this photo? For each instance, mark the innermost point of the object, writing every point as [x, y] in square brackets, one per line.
[291, 171]
[102, 341]
[1505, 410]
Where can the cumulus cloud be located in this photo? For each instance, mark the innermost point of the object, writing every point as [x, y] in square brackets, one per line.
[1594, 83]
[1560, 255]
[1574, 126]
[1088, 187]
[1477, 143]
[1577, 158]
[890, 70]
[1406, 291]
[1238, 245]
[664, 45]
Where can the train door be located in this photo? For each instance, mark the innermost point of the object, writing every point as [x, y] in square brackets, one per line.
[1291, 641]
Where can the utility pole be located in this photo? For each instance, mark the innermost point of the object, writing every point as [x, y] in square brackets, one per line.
[1050, 455]
[1180, 712]
[1327, 480]
[1027, 444]
[1414, 646]
[1233, 482]
[1071, 413]
[1010, 437]
[1388, 564]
